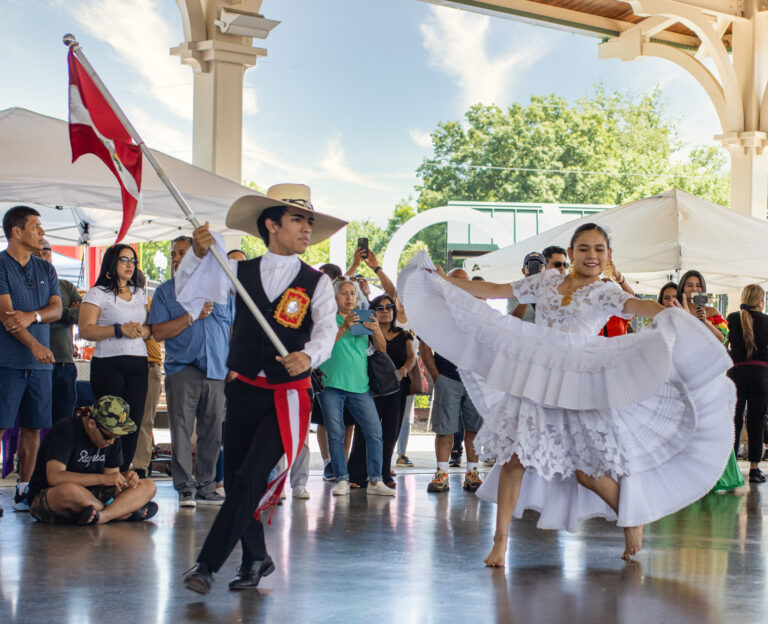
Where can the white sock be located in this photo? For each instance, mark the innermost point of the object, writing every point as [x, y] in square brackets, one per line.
[442, 466]
[471, 466]
[23, 486]
[326, 461]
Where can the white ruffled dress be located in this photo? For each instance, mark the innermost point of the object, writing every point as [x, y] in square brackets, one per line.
[652, 409]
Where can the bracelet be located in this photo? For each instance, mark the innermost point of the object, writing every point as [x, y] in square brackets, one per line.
[623, 279]
[118, 330]
[377, 269]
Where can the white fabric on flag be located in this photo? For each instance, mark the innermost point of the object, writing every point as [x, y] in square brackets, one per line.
[199, 282]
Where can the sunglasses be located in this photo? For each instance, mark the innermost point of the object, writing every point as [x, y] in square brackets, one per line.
[104, 433]
[384, 308]
[557, 264]
[127, 260]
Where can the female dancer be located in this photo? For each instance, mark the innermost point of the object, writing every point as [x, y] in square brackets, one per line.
[630, 429]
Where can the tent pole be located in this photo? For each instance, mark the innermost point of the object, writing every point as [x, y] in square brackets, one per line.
[74, 46]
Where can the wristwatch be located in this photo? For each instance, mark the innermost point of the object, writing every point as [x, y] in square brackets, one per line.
[377, 269]
[38, 318]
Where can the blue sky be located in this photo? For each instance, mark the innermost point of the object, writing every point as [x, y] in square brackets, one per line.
[348, 93]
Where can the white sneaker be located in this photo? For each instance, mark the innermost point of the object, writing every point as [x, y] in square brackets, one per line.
[300, 492]
[341, 488]
[380, 489]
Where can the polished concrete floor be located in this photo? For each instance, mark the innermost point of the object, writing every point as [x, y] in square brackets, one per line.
[416, 558]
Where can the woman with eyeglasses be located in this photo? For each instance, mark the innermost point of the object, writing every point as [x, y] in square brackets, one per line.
[390, 407]
[346, 384]
[114, 316]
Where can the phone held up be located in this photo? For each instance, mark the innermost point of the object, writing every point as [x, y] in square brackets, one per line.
[362, 243]
[533, 267]
[358, 329]
[703, 299]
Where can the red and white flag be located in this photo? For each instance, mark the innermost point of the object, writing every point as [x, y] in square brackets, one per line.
[95, 129]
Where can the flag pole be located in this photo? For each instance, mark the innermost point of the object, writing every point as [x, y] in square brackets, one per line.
[71, 42]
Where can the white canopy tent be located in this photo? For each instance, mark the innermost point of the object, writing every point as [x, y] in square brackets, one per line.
[656, 239]
[84, 197]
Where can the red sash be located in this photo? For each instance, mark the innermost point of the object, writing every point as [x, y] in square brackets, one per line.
[293, 407]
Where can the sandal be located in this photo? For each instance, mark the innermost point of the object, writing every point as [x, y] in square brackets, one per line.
[88, 516]
[143, 513]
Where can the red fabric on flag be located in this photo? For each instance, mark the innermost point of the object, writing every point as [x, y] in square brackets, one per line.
[95, 129]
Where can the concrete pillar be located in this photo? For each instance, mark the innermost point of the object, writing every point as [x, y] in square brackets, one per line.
[219, 60]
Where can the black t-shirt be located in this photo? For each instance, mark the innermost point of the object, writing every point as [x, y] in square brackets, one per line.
[68, 443]
[736, 336]
[397, 349]
[446, 367]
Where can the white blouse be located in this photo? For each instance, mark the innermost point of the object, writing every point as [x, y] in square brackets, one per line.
[113, 310]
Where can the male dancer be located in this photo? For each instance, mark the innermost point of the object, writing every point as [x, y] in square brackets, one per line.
[269, 393]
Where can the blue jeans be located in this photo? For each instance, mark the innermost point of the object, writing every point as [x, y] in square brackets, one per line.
[363, 410]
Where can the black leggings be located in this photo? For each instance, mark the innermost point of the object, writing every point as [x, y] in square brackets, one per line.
[390, 409]
[125, 376]
[751, 391]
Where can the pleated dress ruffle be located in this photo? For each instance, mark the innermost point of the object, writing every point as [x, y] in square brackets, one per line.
[653, 409]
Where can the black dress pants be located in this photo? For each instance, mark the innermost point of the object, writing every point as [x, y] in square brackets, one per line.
[751, 391]
[126, 376]
[252, 447]
[390, 409]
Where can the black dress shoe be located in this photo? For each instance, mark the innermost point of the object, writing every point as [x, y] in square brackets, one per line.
[199, 579]
[249, 575]
[756, 476]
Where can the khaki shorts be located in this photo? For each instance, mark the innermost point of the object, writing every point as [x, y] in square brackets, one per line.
[451, 402]
[42, 512]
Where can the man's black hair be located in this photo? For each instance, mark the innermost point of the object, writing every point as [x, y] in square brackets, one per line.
[551, 251]
[231, 251]
[183, 237]
[331, 270]
[275, 213]
[17, 217]
[108, 274]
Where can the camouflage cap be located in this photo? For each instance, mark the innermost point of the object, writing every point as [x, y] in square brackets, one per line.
[111, 414]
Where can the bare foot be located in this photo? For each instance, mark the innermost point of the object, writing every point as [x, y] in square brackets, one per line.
[498, 554]
[633, 537]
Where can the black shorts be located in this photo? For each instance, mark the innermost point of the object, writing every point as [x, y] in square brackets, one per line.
[317, 415]
[42, 512]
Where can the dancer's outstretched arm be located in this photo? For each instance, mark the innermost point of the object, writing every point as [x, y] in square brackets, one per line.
[486, 290]
[642, 307]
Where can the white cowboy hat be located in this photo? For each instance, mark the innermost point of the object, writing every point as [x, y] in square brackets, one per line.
[244, 213]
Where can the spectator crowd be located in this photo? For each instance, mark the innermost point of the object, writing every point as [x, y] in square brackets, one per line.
[94, 459]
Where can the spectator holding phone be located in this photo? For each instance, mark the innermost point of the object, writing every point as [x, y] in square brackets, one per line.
[691, 297]
[346, 383]
[748, 341]
[363, 254]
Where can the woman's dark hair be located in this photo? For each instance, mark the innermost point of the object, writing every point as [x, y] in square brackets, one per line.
[377, 300]
[663, 288]
[589, 227]
[684, 279]
[275, 213]
[108, 275]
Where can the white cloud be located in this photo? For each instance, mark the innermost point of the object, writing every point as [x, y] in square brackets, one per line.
[176, 143]
[421, 138]
[334, 165]
[250, 102]
[142, 37]
[458, 45]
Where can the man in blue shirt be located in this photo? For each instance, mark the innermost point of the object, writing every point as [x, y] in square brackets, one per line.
[29, 301]
[196, 353]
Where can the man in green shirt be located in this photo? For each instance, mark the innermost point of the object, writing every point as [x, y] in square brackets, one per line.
[64, 371]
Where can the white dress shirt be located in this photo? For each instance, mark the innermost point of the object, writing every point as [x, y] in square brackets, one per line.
[277, 273]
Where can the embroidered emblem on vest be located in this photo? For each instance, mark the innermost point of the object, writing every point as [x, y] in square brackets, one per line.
[292, 309]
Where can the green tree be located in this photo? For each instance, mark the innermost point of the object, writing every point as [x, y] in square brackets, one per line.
[147, 252]
[608, 148]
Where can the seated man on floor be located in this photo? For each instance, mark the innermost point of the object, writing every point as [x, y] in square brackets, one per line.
[77, 476]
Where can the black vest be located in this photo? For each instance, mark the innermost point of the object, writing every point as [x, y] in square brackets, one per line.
[250, 350]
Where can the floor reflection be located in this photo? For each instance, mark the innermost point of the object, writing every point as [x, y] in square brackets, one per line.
[417, 558]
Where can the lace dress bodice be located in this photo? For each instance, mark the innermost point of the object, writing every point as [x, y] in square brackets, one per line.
[589, 310]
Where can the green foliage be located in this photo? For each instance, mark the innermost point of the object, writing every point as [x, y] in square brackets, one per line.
[410, 251]
[614, 143]
[147, 253]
